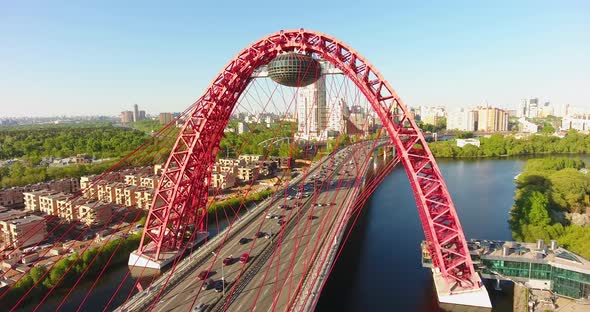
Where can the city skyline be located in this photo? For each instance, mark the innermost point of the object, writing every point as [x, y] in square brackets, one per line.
[76, 60]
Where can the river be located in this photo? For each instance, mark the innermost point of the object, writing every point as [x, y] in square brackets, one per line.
[379, 268]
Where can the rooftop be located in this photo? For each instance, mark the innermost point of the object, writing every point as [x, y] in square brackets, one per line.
[25, 220]
[528, 252]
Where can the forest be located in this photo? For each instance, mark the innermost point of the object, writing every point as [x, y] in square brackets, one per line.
[35, 142]
[546, 189]
[507, 145]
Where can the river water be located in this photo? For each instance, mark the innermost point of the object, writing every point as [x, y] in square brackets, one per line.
[379, 268]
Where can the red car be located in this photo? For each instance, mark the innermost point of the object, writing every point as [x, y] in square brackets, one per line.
[244, 258]
[229, 260]
[203, 275]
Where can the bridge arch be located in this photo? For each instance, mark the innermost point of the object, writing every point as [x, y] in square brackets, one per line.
[184, 182]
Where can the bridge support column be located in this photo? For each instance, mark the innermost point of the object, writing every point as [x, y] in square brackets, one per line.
[147, 260]
[477, 297]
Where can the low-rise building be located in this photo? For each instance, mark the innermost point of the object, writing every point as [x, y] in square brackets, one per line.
[32, 199]
[247, 173]
[143, 197]
[48, 203]
[95, 213]
[527, 126]
[232, 162]
[222, 180]
[22, 232]
[68, 208]
[11, 197]
[149, 181]
[463, 142]
[250, 159]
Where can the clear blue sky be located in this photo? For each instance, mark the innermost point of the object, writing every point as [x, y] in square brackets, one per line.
[65, 57]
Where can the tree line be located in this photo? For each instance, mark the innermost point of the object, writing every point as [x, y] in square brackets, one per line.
[506, 145]
[35, 142]
[546, 189]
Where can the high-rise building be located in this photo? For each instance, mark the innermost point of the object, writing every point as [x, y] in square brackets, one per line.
[126, 117]
[528, 108]
[141, 115]
[491, 119]
[135, 112]
[462, 119]
[338, 114]
[165, 118]
[312, 111]
[546, 110]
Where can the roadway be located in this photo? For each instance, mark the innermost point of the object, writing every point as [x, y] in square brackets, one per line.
[277, 264]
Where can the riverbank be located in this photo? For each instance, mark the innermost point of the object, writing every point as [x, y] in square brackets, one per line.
[498, 145]
[547, 190]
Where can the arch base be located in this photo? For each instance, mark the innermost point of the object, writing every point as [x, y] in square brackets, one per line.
[473, 297]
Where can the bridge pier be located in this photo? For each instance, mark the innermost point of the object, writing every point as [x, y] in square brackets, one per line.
[146, 259]
[477, 297]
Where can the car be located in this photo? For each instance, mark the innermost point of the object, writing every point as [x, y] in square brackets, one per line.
[203, 275]
[199, 307]
[207, 284]
[229, 260]
[268, 235]
[220, 285]
[244, 240]
[310, 217]
[244, 258]
[269, 216]
[281, 222]
[283, 206]
[290, 197]
[260, 234]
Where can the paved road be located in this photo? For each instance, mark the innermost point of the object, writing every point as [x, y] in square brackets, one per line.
[267, 281]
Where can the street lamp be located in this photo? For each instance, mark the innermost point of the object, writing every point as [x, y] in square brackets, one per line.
[222, 275]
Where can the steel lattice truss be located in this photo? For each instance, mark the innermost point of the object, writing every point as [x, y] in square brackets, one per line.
[180, 198]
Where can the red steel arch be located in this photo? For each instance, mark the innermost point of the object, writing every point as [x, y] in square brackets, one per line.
[182, 191]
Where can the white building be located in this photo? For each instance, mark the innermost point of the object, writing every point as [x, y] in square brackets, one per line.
[242, 127]
[578, 122]
[312, 111]
[527, 126]
[462, 119]
[463, 142]
[431, 114]
[338, 113]
[528, 108]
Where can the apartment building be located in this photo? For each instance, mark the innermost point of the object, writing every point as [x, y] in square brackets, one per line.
[68, 208]
[230, 162]
[22, 231]
[95, 213]
[222, 180]
[48, 202]
[143, 198]
[88, 186]
[247, 173]
[149, 181]
[250, 159]
[32, 199]
[13, 197]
